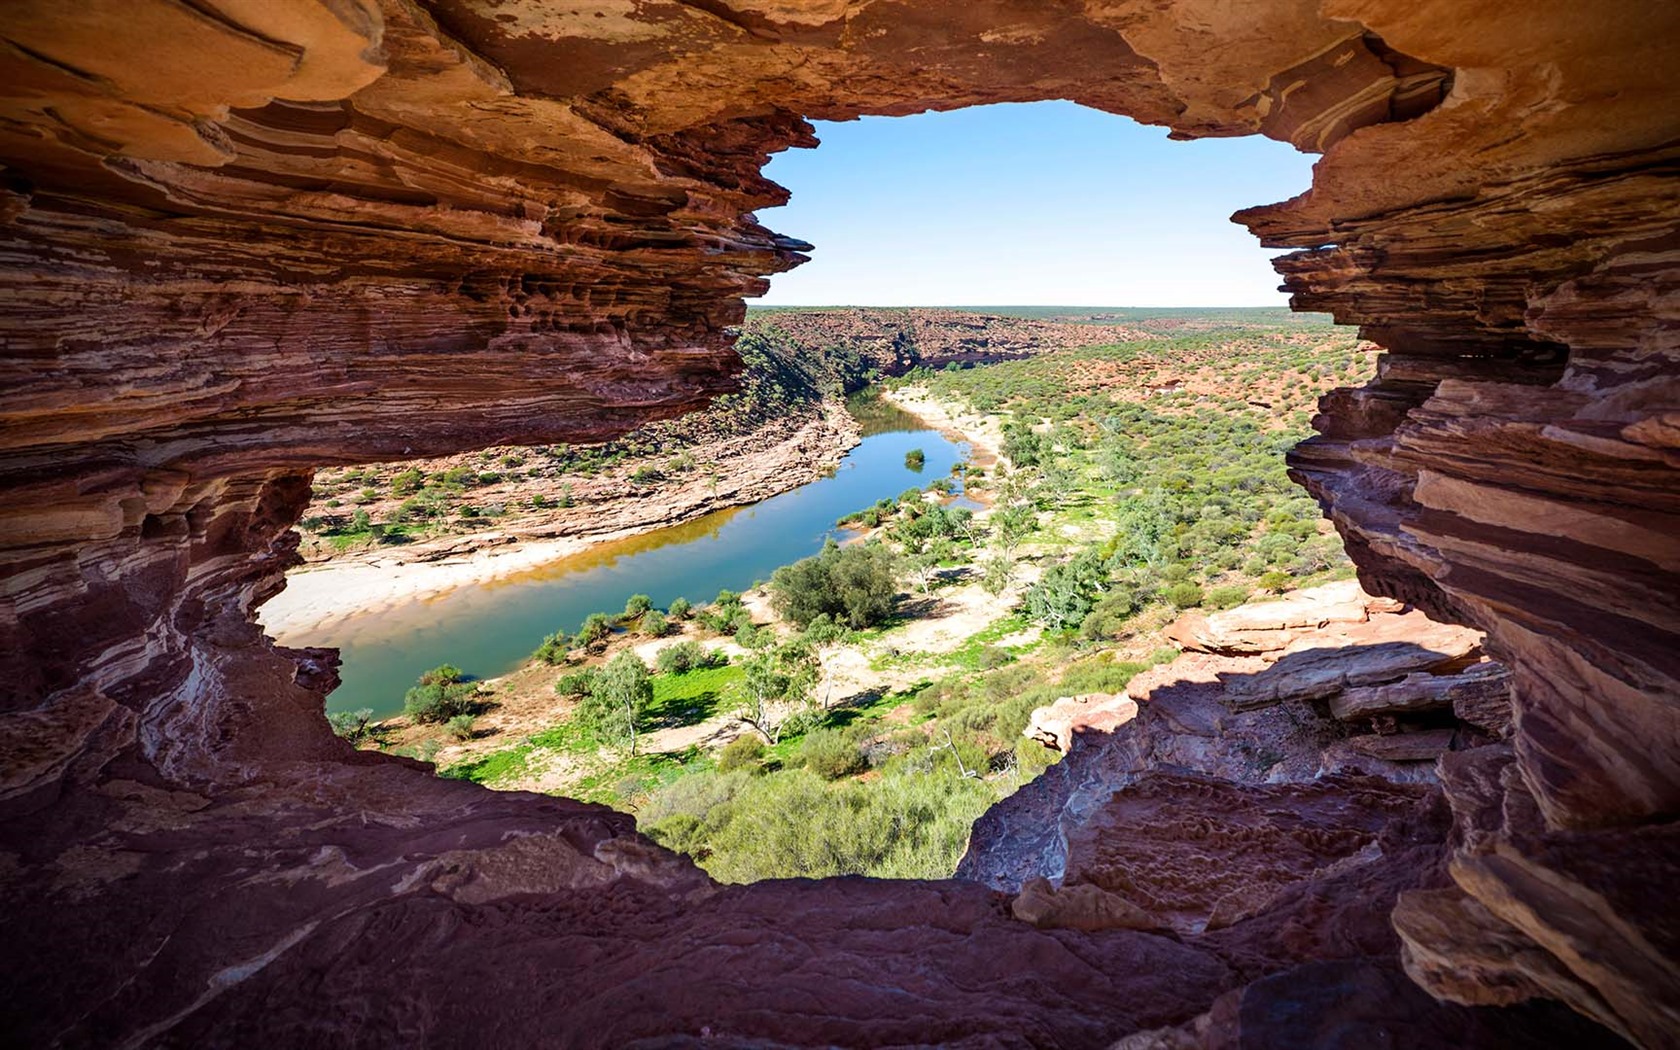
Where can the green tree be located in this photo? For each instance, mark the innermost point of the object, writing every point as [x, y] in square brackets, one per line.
[637, 605]
[1011, 525]
[1066, 593]
[616, 700]
[925, 562]
[856, 584]
[915, 459]
[775, 689]
[352, 725]
[596, 627]
[554, 648]
[997, 574]
[441, 694]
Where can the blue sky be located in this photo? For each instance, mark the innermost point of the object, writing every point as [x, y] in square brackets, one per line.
[1044, 203]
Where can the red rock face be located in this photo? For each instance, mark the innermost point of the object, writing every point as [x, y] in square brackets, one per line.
[245, 239]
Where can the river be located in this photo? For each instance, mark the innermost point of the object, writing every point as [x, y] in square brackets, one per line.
[489, 629]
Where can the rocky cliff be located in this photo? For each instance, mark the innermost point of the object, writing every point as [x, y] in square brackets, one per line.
[244, 240]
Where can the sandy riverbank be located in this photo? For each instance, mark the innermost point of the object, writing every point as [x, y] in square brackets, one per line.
[982, 433]
[320, 596]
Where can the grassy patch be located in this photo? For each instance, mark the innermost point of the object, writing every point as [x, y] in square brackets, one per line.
[694, 696]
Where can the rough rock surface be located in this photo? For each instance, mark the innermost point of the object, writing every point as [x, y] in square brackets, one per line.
[1054, 726]
[1269, 626]
[242, 240]
[1198, 715]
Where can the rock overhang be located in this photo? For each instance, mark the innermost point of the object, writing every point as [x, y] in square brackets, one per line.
[245, 239]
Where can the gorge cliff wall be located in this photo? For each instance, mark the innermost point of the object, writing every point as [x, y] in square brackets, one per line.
[244, 240]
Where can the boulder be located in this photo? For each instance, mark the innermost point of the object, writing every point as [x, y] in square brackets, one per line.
[1478, 687]
[1054, 725]
[1269, 626]
[1384, 649]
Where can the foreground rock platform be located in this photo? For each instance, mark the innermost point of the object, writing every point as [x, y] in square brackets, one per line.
[243, 240]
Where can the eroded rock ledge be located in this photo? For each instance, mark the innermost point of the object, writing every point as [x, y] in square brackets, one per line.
[242, 240]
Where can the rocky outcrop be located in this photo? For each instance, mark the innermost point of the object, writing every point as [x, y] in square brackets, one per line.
[1054, 726]
[1233, 717]
[243, 240]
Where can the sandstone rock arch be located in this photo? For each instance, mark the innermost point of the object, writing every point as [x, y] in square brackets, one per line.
[246, 239]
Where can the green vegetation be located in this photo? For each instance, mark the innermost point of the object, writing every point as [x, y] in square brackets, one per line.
[855, 585]
[1141, 479]
[1174, 500]
[352, 726]
[617, 697]
[443, 694]
[684, 657]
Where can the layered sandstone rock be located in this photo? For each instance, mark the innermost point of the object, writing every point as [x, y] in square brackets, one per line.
[243, 240]
[1233, 718]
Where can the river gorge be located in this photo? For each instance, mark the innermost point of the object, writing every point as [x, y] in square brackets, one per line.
[490, 626]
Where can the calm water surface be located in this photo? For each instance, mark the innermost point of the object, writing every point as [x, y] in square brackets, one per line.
[490, 628]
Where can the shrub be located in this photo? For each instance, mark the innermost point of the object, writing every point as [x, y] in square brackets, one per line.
[576, 683]
[915, 459]
[991, 657]
[744, 752]
[1226, 597]
[793, 825]
[1276, 582]
[681, 609]
[684, 657]
[827, 753]
[823, 630]
[637, 605]
[407, 482]
[596, 627]
[461, 727]
[1109, 616]
[554, 649]
[857, 585]
[654, 624]
[440, 696]
[750, 636]
[1184, 595]
[352, 725]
